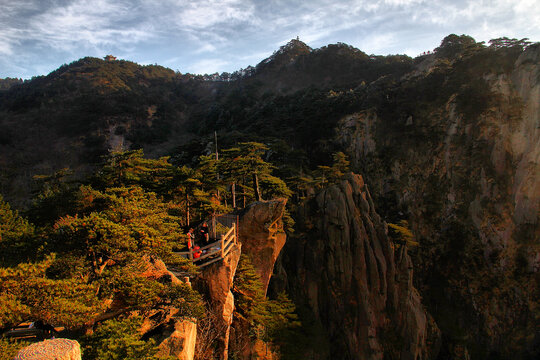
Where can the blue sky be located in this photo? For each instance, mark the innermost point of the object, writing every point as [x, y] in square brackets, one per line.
[205, 36]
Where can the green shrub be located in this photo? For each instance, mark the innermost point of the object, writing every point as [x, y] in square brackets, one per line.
[118, 339]
[9, 348]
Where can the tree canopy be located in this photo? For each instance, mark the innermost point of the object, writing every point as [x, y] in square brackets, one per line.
[96, 239]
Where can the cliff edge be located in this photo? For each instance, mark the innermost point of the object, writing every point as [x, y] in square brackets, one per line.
[343, 267]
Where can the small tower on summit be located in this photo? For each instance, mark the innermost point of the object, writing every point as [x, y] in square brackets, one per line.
[109, 58]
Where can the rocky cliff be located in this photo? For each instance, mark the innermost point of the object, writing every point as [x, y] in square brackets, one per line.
[342, 266]
[216, 282]
[260, 236]
[465, 171]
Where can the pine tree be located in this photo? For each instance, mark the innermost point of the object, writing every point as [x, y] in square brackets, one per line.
[243, 165]
[249, 293]
[340, 165]
[118, 225]
[27, 292]
[55, 197]
[331, 174]
[126, 168]
[17, 235]
[117, 339]
[266, 319]
[189, 190]
[401, 233]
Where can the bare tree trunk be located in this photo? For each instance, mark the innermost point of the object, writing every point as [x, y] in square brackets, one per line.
[258, 196]
[214, 225]
[244, 190]
[217, 160]
[209, 330]
[233, 190]
[187, 209]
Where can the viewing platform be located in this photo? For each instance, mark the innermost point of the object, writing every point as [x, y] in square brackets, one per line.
[223, 227]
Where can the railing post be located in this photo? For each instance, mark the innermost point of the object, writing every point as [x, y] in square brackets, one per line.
[235, 234]
[222, 246]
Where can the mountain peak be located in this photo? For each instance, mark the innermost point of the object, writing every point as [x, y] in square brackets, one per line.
[287, 53]
[295, 47]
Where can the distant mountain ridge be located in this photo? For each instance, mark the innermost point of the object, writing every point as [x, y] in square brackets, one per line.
[94, 105]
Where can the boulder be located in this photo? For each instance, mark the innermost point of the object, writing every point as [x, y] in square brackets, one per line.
[55, 349]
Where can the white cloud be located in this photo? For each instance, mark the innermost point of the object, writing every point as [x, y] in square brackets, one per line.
[403, 2]
[8, 9]
[77, 25]
[8, 39]
[205, 48]
[208, 13]
[92, 24]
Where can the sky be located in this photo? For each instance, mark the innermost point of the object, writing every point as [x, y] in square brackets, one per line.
[207, 36]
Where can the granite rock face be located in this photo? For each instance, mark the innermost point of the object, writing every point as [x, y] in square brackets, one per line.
[342, 266]
[215, 282]
[55, 349]
[465, 173]
[181, 343]
[262, 236]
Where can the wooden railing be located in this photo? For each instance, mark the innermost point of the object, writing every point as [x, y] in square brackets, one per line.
[215, 251]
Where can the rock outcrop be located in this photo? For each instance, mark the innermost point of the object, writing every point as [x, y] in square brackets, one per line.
[176, 337]
[215, 282]
[262, 235]
[180, 344]
[55, 349]
[156, 269]
[341, 265]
